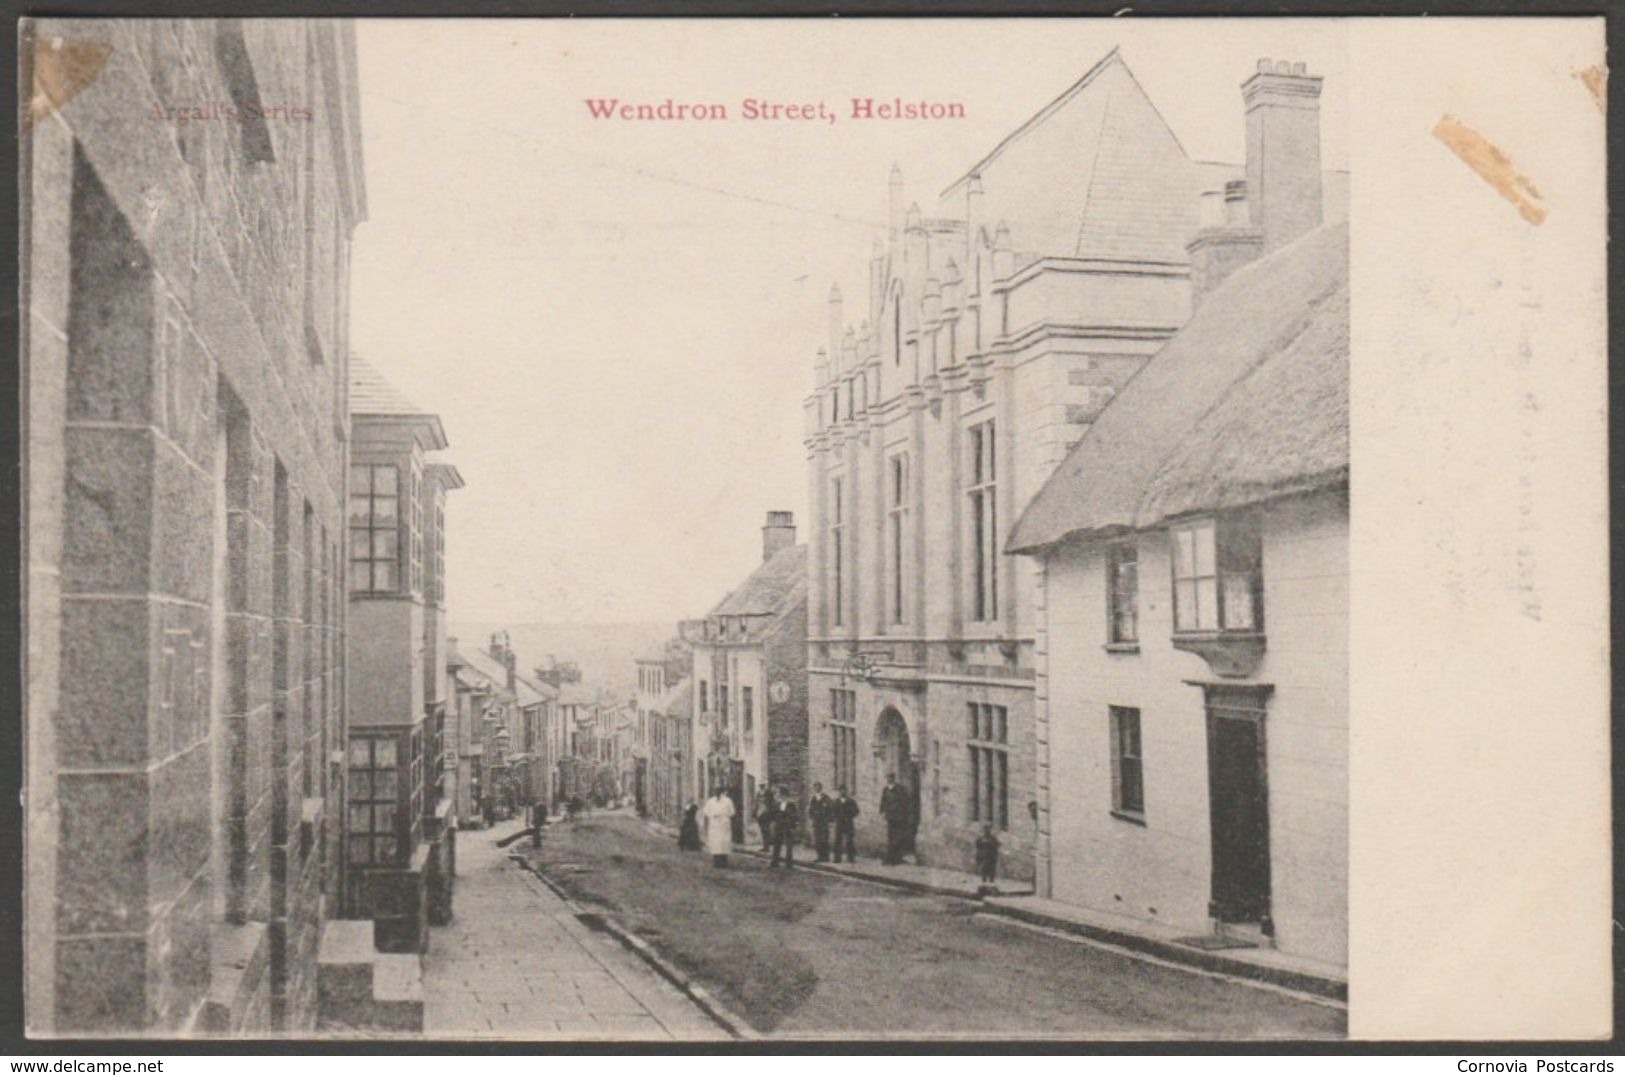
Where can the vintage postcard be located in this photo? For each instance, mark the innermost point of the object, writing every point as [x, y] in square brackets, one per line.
[714, 531]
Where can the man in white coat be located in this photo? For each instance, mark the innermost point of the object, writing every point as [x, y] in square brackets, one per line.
[719, 812]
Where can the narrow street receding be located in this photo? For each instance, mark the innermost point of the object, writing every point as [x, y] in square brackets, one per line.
[806, 953]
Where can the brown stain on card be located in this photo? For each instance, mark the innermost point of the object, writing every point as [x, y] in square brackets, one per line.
[61, 70]
[1495, 167]
[1596, 80]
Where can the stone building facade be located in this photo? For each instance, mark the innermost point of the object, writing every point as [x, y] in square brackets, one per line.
[1193, 555]
[749, 708]
[185, 381]
[992, 335]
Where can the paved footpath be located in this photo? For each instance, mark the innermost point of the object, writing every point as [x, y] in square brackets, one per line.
[515, 963]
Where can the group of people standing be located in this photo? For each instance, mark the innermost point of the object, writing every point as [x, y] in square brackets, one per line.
[779, 820]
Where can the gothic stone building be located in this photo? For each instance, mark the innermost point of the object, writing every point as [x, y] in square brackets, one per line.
[992, 335]
[185, 379]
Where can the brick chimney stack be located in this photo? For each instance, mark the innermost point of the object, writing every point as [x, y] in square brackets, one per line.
[1283, 151]
[778, 534]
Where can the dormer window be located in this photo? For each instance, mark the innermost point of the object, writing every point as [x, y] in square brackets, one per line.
[1218, 578]
[1218, 568]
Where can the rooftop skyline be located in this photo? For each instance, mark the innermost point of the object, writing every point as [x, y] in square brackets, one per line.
[622, 437]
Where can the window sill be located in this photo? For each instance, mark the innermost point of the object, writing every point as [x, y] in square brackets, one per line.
[1132, 819]
[1231, 654]
[1121, 647]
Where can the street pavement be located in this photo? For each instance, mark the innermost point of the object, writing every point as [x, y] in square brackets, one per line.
[810, 954]
[515, 963]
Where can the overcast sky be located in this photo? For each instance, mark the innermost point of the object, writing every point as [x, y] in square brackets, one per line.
[616, 321]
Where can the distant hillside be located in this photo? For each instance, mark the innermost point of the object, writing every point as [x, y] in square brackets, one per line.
[605, 651]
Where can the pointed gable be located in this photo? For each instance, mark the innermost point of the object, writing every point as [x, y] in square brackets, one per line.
[1095, 174]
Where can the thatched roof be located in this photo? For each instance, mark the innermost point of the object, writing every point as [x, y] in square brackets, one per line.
[1249, 401]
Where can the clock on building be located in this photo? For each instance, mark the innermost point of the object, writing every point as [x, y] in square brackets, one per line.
[779, 691]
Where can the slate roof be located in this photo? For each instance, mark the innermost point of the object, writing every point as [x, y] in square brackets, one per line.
[681, 705]
[1115, 182]
[371, 396]
[1248, 402]
[578, 694]
[771, 588]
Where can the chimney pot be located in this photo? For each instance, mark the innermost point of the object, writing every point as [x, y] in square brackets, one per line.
[1300, 69]
[1282, 67]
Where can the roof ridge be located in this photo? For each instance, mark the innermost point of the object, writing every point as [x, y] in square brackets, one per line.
[1043, 113]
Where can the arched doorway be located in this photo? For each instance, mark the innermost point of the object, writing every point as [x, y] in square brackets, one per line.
[893, 749]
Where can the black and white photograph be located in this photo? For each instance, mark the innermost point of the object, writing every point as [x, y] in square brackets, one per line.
[717, 532]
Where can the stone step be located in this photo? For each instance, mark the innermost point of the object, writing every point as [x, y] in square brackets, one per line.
[362, 990]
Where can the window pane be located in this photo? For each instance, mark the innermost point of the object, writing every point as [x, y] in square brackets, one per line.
[1002, 730]
[1184, 557]
[384, 847]
[361, 753]
[360, 480]
[1238, 603]
[360, 850]
[385, 544]
[384, 480]
[360, 548]
[360, 784]
[383, 577]
[384, 784]
[360, 511]
[1002, 791]
[1204, 549]
[383, 818]
[361, 818]
[1207, 604]
[1133, 792]
[1240, 550]
[975, 784]
[384, 512]
[1185, 606]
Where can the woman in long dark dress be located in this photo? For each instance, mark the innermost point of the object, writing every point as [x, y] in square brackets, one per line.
[688, 836]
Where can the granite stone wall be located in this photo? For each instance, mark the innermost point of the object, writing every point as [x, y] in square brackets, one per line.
[185, 453]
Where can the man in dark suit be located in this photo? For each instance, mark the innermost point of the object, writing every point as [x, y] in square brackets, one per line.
[894, 807]
[820, 811]
[767, 812]
[845, 813]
